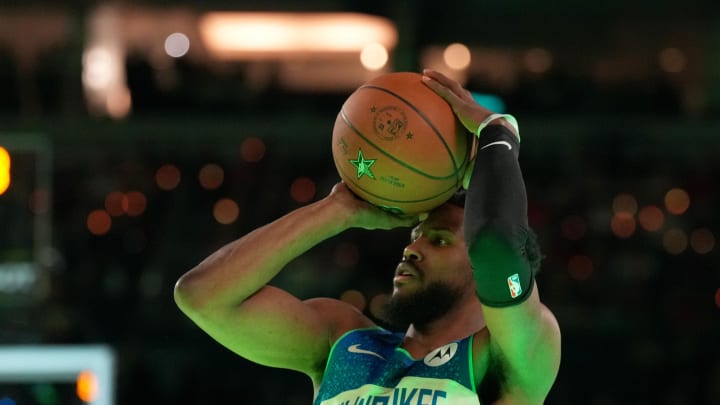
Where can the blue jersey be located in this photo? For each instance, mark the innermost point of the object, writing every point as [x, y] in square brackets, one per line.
[368, 367]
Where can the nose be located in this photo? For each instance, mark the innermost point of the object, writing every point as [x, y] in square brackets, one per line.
[411, 253]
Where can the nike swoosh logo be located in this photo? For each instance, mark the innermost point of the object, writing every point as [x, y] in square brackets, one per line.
[357, 349]
[498, 143]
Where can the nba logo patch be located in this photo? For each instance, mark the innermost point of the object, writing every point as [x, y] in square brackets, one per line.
[514, 285]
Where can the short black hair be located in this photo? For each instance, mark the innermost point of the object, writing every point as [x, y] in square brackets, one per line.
[533, 252]
[458, 198]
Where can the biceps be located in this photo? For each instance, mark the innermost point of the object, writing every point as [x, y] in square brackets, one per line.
[527, 338]
[272, 328]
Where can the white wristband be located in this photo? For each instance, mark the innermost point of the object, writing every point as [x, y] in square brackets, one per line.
[493, 117]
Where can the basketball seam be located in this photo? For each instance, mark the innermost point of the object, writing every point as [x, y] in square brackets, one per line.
[393, 158]
[424, 117]
[401, 201]
[349, 178]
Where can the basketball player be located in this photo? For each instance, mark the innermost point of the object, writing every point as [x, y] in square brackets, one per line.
[477, 331]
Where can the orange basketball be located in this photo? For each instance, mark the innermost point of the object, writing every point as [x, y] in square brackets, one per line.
[398, 145]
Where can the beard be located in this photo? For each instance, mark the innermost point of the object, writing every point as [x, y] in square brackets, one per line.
[421, 307]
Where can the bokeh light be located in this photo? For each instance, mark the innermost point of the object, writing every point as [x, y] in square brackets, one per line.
[354, 298]
[374, 57]
[677, 201]
[672, 60]
[377, 305]
[167, 177]
[675, 241]
[118, 102]
[99, 222]
[226, 211]
[457, 56]
[651, 218]
[115, 203]
[702, 241]
[100, 67]
[623, 225]
[4, 158]
[538, 60]
[580, 267]
[135, 203]
[302, 190]
[252, 149]
[625, 203]
[4, 170]
[211, 176]
[177, 45]
[87, 386]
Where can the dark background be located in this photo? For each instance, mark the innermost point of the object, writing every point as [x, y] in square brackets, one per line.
[639, 313]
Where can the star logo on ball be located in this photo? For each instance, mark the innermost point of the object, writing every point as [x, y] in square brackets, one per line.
[363, 165]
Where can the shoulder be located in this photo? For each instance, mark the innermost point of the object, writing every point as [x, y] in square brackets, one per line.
[340, 316]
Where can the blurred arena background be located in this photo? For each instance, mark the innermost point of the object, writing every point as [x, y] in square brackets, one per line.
[138, 137]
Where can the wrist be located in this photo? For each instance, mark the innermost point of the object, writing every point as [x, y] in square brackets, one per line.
[505, 120]
[335, 214]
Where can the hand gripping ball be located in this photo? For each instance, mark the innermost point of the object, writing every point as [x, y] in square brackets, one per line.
[398, 145]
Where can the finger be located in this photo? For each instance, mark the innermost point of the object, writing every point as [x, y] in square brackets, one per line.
[442, 90]
[405, 220]
[449, 83]
[448, 89]
[437, 76]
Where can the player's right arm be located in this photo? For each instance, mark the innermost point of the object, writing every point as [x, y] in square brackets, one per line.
[227, 294]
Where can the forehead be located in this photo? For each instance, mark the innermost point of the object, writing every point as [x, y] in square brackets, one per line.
[447, 216]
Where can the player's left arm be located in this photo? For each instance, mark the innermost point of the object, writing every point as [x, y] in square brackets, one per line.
[524, 335]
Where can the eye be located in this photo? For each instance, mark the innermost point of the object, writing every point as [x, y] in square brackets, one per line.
[440, 241]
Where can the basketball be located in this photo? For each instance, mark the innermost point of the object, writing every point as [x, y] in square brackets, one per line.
[398, 145]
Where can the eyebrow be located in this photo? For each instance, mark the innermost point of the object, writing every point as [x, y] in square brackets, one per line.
[430, 230]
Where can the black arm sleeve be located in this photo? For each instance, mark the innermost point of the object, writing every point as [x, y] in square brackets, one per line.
[496, 226]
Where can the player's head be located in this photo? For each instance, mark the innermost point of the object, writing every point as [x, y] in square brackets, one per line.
[434, 274]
